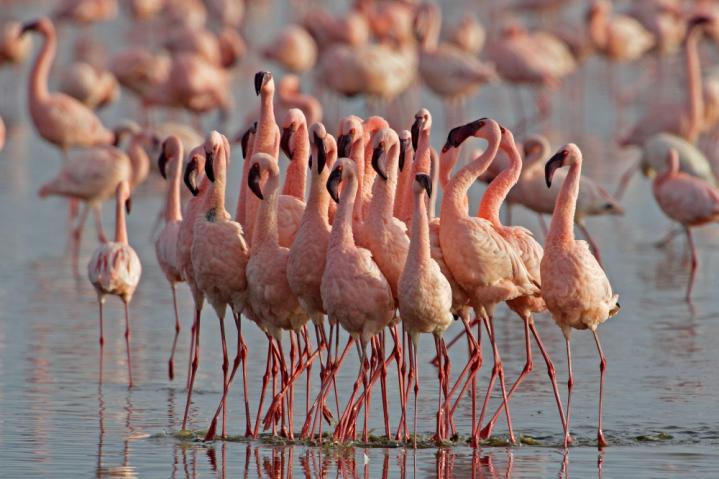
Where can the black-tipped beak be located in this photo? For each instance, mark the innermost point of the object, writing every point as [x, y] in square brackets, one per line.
[333, 183]
[459, 134]
[29, 26]
[253, 181]
[426, 182]
[128, 205]
[321, 153]
[416, 130]
[403, 145]
[260, 79]
[190, 177]
[285, 141]
[209, 166]
[551, 166]
[161, 163]
[344, 145]
[376, 155]
[245, 140]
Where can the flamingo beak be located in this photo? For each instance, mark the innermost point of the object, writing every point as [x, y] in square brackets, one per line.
[321, 153]
[403, 146]
[376, 155]
[552, 165]
[161, 163]
[128, 205]
[190, 177]
[344, 145]
[459, 134]
[285, 141]
[261, 78]
[426, 182]
[245, 140]
[253, 181]
[416, 130]
[209, 167]
[30, 26]
[333, 183]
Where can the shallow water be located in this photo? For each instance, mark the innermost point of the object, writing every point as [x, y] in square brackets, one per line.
[57, 420]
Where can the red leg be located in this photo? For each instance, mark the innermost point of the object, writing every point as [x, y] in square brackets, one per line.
[265, 380]
[550, 372]
[413, 349]
[456, 338]
[383, 383]
[195, 320]
[102, 336]
[242, 346]
[195, 364]
[171, 363]
[601, 442]
[127, 344]
[694, 264]
[339, 432]
[471, 368]
[438, 435]
[225, 370]
[487, 431]
[570, 383]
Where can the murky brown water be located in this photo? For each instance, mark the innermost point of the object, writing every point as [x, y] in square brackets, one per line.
[55, 420]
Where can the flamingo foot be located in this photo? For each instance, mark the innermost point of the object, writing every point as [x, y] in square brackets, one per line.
[211, 431]
[601, 441]
[171, 370]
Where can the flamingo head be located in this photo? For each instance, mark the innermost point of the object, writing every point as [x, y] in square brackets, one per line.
[261, 163]
[422, 122]
[405, 141]
[123, 195]
[382, 141]
[214, 142]
[318, 134]
[422, 182]
[457, 135]
[171, 148]
[41, 25]
[244, 138]
[292, 122]
[264, 82]
[195, 164]
[566, 155]
[350, 132]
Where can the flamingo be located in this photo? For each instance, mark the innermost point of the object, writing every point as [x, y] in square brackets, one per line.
[295, 143]
[350, 144]
[688, 200]
[290, 96]
[14, 48]
[219, 272]
[403, 202]
[86, 11]
[115, 269]
[663, 19]
[269, 295]
[468, 34]
[58, 118]
[574, 286]
[293, 48]
[620, 38]
[94, 87]
[354, 292]
[425, 301]
[486, 265]
[170, 163]
[222, 50]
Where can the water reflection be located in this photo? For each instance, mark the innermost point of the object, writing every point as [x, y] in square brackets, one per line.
[124, 469]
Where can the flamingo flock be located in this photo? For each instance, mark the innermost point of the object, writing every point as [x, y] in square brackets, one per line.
[365, 240]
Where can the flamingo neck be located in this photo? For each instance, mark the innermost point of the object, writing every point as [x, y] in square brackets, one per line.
[267, 140]
[499, 188]
[318, 201]
[341, 234]
[403, 201]
[173, 210]
[695, 100]
[383, 191]
[139, 161]
[120, 222]
[598, 30]
[297, 170]
[434, 174]
[215, 199]
[419, 248]
[265, 228]
[41, 69]
[241, 211]
[561, 230]
[357, 156]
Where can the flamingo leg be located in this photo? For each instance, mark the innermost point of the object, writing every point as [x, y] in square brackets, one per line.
[528, 365]
[225, 371]
[550, 371]
[668, 238]
[383, 383]
[171, 362]
[193, 331]
[456, 338]
[97, 213]
[76, 237]
[440, 379]
[102, 337]
[413, 352]
[242, 347]
[473, 364]
[694, 265]
[601, 442]
[592, 244]
[339, 432]
[265, 380]
[570, 383]
[127, 344]
[625, 179]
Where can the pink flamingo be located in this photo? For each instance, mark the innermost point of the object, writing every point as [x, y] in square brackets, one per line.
[574, 286]
[166, 243]
[58, 118]
[350, 144]
[94, 87]
[294, 49]
[14, 48]
[290, 96]
[486, 265]
[354, 292]
[86, 11]
[115, 269]
[295, 143]
[220, 272]
[620, 38]
[269, 295]
[688, 200]
[531, 254]
[425, 302]
[403, 203]
[468, 34]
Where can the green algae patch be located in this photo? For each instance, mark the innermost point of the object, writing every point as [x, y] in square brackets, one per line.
[659, 437]
[529, 440]
[185, 435]
[494, 441]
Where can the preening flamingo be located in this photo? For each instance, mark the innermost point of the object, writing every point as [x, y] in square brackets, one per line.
[688, 200]
[115, 269]
[574, 286]
[293, 48]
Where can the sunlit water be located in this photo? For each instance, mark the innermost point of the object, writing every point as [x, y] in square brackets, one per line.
[57, 420]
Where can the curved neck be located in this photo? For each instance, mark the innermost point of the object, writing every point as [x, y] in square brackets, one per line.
[598, 29]
[562, 227]
[41, 68]
[434, 174]
[215, 199]
[265, 227]
[499, 188]
[383, 191]
[357, 155]
[447, 160]
[173, 211]
[318, 201]
[120, 223]
[342, 226]
[419, 248]
[241, 211]
[267, 127]
[297, 170]
[138, 160]
[695, 100]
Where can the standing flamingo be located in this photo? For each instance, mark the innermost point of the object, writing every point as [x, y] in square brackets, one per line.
[574, 286]
[220, 271]
[403, 202]
[425, 301]
[354, 292]
[688, 200]
[166, 243]
[486, 265]
[295, 143]
[115, 269]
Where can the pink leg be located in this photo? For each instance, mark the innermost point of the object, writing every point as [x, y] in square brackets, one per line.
[447, 375]
[383, 383]
[413, 352]
[339, 432]
[127, 345]
[195, 364]
[225, 371]
[601, 442]
[193, 331]
[439, 433]
[471, 368]
[570, 383]
[456, 338]
[550, 371]
[76, 237]
[694, 265]
[242, 346]
[102, 337]
[171, 363]
[590, 240]
[625, 179]
[97, 213]
[485, 433]
[265, 380]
